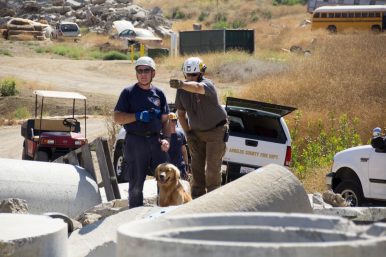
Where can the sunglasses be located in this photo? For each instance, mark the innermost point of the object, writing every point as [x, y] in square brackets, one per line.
[143, 71]
[192, 74]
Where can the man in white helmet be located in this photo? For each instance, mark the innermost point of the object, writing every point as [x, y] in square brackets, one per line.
[143, 111]
[204, 121]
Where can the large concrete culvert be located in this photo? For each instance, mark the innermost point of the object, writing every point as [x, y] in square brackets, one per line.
[23, 235]
[249, 235]
[48, 187]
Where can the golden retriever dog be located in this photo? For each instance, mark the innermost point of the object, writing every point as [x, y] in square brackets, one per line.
[171, 191]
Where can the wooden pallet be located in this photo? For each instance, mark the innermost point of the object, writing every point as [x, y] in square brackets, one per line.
[83, 158]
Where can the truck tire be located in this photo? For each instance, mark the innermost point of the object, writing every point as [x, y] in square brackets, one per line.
[351, 191]
[331, 29]
[41, 156]
[119, 162]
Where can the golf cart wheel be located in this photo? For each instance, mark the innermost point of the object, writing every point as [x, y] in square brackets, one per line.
[119, 162]
[24, 154]
[41, 156]
[351, 191]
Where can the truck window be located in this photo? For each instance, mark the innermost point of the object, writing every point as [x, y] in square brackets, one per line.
[254, 125]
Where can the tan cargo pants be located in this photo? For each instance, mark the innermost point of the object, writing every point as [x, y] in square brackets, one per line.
[207, 149]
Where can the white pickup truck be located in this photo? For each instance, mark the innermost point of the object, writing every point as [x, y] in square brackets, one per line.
[258, 136]
[359, 174]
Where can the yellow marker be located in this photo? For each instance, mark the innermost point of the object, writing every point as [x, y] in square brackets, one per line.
[142, 50]
[132, 53]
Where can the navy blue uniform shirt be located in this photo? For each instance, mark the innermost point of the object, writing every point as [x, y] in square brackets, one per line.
[135, 99]
[177, 140]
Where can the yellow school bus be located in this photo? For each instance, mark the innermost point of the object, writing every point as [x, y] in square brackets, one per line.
[358, 17]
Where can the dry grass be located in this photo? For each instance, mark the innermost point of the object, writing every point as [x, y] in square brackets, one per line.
[345, 74]
[314, 181]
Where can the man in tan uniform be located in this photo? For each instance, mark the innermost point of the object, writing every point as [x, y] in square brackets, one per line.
[204, 121]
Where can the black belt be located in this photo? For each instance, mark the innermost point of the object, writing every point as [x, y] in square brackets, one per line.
[143, 133]
[221, 123]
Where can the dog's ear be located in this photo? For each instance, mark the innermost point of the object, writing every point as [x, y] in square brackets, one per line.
[157, 171]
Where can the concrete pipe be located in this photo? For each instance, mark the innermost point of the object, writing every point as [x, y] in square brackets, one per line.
[48, 187]
[32, 235]
[249, 235]
[271, 188]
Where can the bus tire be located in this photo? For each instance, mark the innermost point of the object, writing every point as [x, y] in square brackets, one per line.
[331, 29]
[376, 28]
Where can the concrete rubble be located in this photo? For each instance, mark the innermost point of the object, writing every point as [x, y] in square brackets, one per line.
[13, 205]
[269, 189]
[98, 15]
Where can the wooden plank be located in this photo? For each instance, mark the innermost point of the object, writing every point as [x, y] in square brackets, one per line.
[104, 170]
[113, 178]
[72, 158]
[87, 162]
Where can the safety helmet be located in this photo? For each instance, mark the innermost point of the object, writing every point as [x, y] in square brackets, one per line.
[145, 61]
[172, 116]
[193, 65]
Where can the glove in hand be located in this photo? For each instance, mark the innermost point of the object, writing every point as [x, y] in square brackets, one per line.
[176, 83]
[143, 116]
[154, 113]
[148, 115]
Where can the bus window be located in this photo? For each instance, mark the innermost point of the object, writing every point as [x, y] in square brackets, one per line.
[330, 15]
[338, 15]
[344, 15]
[351, 15]
[316, 15]
[377, 14]
[371, 14]
[357, 15]
[324, 15]
[365, 15]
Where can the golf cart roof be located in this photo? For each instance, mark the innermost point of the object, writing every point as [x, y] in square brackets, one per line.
[59, 94]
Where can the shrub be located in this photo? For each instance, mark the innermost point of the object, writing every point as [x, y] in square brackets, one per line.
[220, 25]
[8, 87]
[5, 52]
[114, 55]
[236, 24]
[203, 16]
[21, 112]
[318, 147]
[178, 14]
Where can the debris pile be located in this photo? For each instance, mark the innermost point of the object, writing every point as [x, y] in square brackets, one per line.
[98, 15]
[18, 28]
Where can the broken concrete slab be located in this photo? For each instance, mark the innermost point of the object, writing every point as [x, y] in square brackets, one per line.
[13, 205]
[248, 235]
[33, 236]
[49, 187]
[271, 188]
[99, 239]
[360, 215]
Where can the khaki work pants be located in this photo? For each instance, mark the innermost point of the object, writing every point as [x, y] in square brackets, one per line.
[207, 149]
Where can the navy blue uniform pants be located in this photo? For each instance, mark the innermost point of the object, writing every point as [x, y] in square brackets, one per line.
[142, 155]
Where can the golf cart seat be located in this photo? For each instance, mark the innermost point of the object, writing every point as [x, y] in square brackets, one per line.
[32, 128]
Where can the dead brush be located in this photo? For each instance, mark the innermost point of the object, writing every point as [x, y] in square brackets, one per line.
[112, 127]
[344, 75]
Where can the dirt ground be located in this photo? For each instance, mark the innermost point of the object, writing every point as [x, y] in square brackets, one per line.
[100, 81]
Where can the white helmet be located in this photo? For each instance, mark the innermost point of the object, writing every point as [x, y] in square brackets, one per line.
[193, 65]
[145, 61]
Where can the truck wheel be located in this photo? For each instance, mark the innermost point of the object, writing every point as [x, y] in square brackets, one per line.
[119, 162]
[331, 29]
[41, 156]
[351, 191]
